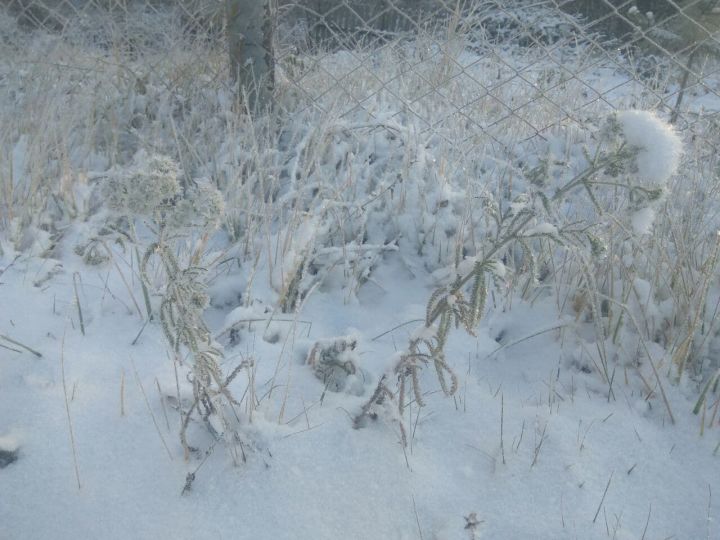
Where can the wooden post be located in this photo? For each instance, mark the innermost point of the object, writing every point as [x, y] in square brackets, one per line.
[249, 33]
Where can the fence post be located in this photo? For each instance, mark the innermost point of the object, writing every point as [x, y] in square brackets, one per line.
[249, 34]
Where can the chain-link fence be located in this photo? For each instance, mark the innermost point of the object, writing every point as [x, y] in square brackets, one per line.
[469, 73]
[86, 84]
[508, 55]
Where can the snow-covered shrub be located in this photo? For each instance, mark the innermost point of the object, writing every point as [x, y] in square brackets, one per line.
[566, 207]
[657, 280]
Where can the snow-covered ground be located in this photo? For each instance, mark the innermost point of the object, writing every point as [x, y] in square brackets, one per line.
[530, 443]
[337, 232]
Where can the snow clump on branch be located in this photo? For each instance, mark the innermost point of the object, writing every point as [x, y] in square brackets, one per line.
[659, 146]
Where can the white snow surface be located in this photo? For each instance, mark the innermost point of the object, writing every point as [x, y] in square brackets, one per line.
[642, 220]
[660, 147]
[541, 229]
[540, 472]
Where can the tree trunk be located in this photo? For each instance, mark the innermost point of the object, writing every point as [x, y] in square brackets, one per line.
[249, 33]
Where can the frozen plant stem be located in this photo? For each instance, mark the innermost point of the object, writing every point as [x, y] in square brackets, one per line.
[538, 446]
[149, 408]
[502, 418]
[67, 411]
[122, 393]
[647, 523]
[417, 518]
[603, 497]
[15, 342]
[76, 275]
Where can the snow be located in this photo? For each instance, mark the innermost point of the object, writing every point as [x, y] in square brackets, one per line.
[536, 442]
[308, 474]
[499, 269]
[9, 442]
[542, 229]
[642, 220]
[660, 147]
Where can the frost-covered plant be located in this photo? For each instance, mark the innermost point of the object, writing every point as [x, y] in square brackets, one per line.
[654, 151]
[136, 78]
[635, 152]
[336, 363]
[151, 190]
[181, 315]
[145, 188]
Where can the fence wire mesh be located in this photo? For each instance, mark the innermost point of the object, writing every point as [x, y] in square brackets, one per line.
[498, 67]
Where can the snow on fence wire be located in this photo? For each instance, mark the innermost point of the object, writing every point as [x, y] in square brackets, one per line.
[496, 65]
